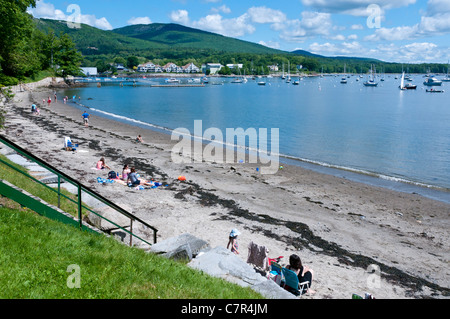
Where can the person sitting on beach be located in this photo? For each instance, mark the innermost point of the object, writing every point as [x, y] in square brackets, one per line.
[125, 171]
[303, 272]
[133, 179]
[33, 108]
[139, 139]
[232, 241]
[101, 164]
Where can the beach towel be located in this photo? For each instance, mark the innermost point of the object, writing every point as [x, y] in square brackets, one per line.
[258, 256]
[104, 180]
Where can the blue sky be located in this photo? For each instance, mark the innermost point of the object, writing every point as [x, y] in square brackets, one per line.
[407, 31]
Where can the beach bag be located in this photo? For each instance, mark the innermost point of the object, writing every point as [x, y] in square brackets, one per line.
[112, 175]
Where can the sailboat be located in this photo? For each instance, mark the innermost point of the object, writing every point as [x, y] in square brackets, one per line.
[283, 76]
[447, 77]
[262, 82]
[407, 86]
[371, 81]
[344, 78]
[289, 73]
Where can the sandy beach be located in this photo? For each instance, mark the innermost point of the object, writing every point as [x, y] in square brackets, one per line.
[357, 238]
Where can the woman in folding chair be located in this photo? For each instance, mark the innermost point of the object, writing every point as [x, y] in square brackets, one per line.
[304, 273]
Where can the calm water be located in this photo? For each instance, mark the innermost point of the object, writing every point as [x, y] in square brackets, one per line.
[383, 132]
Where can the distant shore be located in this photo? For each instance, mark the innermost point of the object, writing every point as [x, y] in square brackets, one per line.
[340, 228]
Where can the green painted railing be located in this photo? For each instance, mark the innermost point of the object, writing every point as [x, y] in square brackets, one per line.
[35, 204]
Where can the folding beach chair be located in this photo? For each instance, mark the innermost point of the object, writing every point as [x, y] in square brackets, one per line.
[258, 256]
[292, 284]
[276, 273]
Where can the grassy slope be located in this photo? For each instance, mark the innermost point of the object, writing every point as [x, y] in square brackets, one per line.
[35, 253]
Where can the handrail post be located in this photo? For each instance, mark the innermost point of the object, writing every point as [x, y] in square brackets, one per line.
[79, 207]
[131, 231]
[59, 191]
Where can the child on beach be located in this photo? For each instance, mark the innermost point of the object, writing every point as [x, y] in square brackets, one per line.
[125, 171]
[101, 164]
[139, 139]
[85, 117]
[232, 241]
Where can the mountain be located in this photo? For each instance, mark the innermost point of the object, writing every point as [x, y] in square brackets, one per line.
[93, 41]
[179, 36]
[137, 39]
[307, 53]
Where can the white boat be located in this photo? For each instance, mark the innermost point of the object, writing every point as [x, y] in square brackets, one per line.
[261, 83]
[432, 82]
[296, 82]
[172, 80]
[407, 86]
[283, 76]
[237, 80]
[288, 79]
[194, 80]
[344, 78]
[371, 80]
[447, 77]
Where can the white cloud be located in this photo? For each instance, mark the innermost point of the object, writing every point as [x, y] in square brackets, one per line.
[336, 49]
[417, 52]
[48, 11]
[180, 16]
[139, 20]
[266, 15]
[234, 27]
[311, 24]
[270, 44]
[356, 27]
[438, 24]
[355, 7]
[222, 8]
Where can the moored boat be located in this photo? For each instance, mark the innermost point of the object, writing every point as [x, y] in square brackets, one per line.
[432, 82]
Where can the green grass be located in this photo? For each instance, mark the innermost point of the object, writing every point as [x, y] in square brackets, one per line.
[37, 189]
[35, 254]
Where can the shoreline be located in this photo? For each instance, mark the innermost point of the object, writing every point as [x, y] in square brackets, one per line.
[337, 226]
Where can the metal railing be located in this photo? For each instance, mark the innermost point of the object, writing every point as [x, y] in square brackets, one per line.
[80, 189]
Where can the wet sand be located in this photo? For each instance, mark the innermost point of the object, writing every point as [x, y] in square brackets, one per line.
[357, 238]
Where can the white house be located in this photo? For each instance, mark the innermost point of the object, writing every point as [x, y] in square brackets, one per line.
[89, 71]
[170, 67]
[146, 67]
[191, 68]
[273, 68]
[232, 66]
[212, 67]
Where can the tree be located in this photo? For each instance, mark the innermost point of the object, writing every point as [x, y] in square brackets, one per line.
[132, 61]
[16, 30]
[67, 58]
